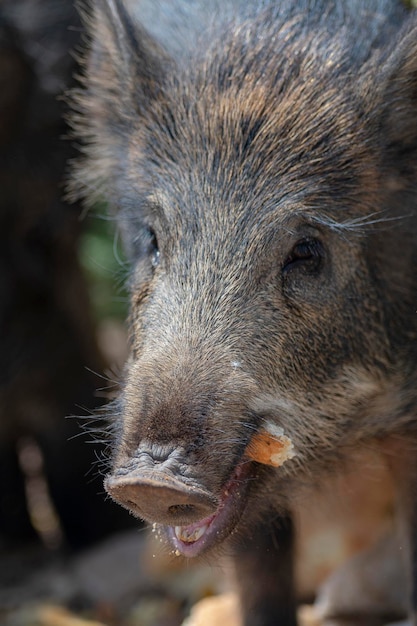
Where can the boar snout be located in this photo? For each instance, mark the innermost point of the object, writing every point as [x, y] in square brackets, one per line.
[161, 499]
[155, 490]
[175, 465]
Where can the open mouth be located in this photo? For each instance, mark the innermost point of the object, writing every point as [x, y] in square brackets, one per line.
[193, 540]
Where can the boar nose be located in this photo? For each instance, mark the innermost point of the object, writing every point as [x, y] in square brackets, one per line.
[161, 499]
[157, 492]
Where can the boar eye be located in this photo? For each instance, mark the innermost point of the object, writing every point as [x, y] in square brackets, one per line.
[145, 246]
[307, 254]
[152, 247]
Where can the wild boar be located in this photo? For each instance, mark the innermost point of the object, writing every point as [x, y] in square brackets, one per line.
[261, 158]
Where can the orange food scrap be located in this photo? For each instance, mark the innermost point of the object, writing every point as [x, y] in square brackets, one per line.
[270, 446]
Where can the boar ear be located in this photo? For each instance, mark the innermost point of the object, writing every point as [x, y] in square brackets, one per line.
[123, 55]
[124, 72]
[399, 108]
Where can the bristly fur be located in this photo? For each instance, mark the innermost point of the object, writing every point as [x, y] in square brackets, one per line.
[261, 159]
[112, 70]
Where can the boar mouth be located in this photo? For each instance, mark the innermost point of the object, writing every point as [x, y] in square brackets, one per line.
[198, 537]
[193, 518]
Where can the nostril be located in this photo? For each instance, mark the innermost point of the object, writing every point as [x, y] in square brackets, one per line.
[181, 509]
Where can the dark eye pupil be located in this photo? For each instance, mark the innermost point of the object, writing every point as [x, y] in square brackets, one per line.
[303, 250]
[307, 253]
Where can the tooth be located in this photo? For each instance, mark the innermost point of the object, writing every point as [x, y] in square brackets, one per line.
[189, 536]
[200, 532]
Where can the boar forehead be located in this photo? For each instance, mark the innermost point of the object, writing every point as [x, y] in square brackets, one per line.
[254, 147]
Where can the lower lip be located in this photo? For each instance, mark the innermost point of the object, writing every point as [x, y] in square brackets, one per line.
[223, 522]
